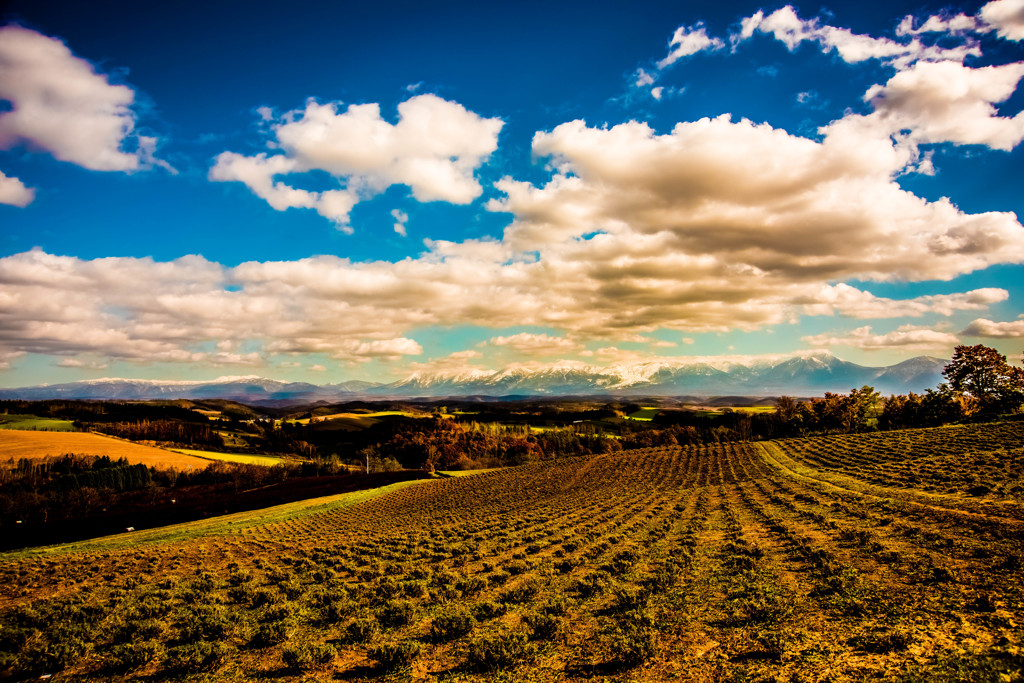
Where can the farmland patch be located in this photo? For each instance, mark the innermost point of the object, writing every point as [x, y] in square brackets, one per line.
[791, 560]
[36, 423]
[238, 458]
[17, 444]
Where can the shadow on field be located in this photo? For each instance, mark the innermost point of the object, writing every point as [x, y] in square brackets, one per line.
[152, 508]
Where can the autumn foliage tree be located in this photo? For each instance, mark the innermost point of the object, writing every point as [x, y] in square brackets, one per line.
[983, 374]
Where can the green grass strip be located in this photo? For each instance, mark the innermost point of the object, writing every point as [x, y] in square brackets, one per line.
[36, 423]
[644, 414]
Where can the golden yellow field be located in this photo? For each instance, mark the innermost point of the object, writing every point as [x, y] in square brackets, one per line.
[27, 444]
[239, 458]
[363, 418]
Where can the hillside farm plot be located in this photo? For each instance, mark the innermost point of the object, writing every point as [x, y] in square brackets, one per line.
[238, 458]
[354, 421]
[17, 444]
[36, 423]
[786, 560]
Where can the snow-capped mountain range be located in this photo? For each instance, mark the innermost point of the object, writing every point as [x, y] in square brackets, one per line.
[799, 375]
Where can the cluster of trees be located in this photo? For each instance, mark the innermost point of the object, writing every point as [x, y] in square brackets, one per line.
[288, 438]
[982, 376]
[161, 430]
[40, 490]
[74, 472]
[980, 384]
[861, 410]
[930, 409]
[441, 443]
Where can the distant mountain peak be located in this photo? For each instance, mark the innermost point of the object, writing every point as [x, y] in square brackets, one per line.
[173, 382]
[803, 374]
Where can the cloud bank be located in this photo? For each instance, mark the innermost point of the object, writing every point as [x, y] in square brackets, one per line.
[906, 337]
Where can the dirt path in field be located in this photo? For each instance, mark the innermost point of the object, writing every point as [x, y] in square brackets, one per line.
[776, 459]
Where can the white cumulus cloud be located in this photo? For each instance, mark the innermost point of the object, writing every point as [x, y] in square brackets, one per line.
[906, 337]
[435, 148]
[537, 344]
[939, 23]
[787, 26]
[14, 192]
[643, 79]
[59, 103]
[689, 40]
[995, 330]
[738, 201]
[855, 303]
[1006, 17]
[950, 102]
[401, 218]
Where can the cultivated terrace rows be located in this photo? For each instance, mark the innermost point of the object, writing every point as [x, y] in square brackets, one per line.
[890, 556]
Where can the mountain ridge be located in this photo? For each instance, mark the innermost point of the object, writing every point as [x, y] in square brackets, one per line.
[802, 375]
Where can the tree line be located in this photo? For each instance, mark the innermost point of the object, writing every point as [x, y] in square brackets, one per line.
[438, 443]
[172, 431]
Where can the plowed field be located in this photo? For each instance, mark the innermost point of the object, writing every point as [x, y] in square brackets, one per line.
[884, 557]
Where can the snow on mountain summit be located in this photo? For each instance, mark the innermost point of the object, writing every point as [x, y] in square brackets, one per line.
[805, 374]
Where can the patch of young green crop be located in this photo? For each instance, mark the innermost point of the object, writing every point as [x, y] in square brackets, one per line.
[35, 423]
[644, 414]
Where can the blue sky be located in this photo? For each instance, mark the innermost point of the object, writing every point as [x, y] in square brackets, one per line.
[339, 191]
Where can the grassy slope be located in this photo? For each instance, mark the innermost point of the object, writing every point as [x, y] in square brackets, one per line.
[36, 423]
[216, 526]
[644, 414]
